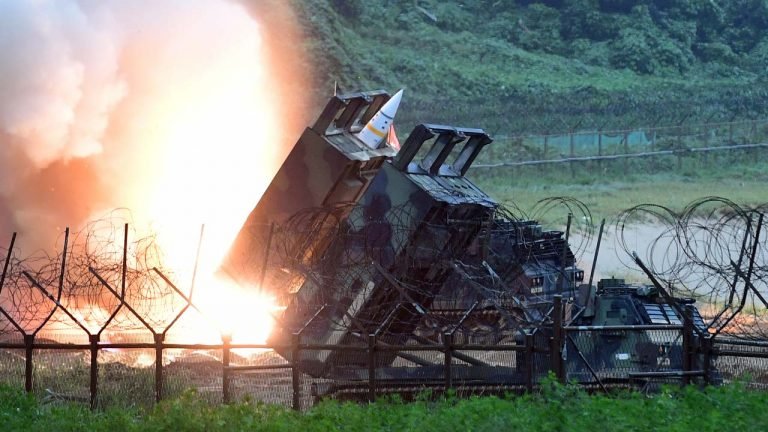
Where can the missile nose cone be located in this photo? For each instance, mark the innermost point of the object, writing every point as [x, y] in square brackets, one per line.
[375, 131]
[390, 108]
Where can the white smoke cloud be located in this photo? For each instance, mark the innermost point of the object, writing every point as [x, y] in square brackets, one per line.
[112, 103]
[60, 80]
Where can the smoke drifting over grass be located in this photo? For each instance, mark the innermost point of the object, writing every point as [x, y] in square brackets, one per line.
[166, 108]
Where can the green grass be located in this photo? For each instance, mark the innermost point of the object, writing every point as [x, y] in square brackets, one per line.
[557, 408]
[607, 194]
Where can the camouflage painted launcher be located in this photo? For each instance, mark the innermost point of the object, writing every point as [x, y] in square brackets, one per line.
[533, 263]
[327, 166]
[527, 264]
[439, 214]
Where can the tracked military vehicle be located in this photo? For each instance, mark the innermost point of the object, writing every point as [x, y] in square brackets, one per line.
[633, 333]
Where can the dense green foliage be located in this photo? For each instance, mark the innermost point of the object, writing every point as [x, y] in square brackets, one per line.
[529, 65]
[556, 408]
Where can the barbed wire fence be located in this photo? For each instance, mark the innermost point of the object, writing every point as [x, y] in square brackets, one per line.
[713, 250]
[106, 322]
[103, 322]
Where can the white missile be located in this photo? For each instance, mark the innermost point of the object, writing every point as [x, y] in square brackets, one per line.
[374, 133]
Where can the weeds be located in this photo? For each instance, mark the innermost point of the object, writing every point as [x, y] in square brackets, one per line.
[555, 408]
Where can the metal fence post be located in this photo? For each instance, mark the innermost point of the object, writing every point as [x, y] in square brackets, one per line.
[755, 139]
[529, 341]
[687, 345]
[705, 160]
[226, 340]
[626, 150]
[572, 154]
[94, 341]
[600, 149]
[546, 147]
[29, 341]
[706, 348]
[556, 350]
[448, 344]
[371, 367]
[679, 149]
[653, 149]
[7, 262]
[159, 337]
[296, 371]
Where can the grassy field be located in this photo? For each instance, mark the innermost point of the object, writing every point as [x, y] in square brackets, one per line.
[606, 195]
[556, 408]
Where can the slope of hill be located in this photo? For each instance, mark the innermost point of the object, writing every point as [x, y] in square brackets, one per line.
[513, 66]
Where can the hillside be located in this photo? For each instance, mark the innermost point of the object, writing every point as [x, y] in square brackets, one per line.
[533, 66]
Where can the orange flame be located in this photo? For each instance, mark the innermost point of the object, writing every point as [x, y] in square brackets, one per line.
[191, 138]
[211, 150]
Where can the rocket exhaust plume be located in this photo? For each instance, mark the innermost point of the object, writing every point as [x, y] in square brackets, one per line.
[160, 107]
[165, 108]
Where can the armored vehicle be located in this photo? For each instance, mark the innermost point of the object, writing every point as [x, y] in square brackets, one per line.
[631, 331]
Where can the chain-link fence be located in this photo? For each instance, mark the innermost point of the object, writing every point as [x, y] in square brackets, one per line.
[128, 373]
[648, 149]
[87, 327]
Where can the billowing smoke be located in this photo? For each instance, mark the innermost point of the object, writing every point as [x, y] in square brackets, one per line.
[166, 108]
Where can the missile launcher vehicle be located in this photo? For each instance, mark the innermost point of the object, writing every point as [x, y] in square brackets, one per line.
[328, 167]
[363, 242]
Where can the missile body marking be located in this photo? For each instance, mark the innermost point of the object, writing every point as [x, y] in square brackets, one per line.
[375, 132]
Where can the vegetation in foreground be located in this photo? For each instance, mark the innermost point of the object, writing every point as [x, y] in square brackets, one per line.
[557, 408]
